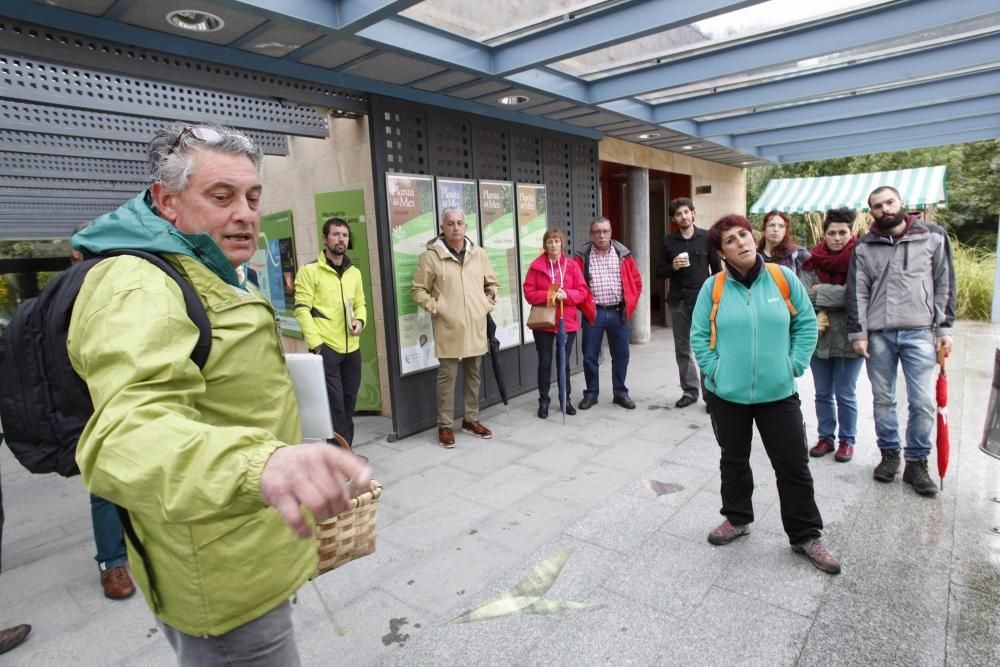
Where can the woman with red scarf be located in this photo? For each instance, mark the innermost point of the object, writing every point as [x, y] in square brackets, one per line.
[835, 366]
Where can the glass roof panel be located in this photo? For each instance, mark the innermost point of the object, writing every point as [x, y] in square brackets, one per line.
[949, 34]
[771, 16]
[847, 93]
[517, 18]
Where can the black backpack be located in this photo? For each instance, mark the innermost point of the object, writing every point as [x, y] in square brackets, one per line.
[44, 404]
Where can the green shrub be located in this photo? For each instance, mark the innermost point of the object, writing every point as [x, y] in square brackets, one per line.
[975, 268]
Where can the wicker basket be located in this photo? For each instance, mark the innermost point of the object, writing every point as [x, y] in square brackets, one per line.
[349, 535]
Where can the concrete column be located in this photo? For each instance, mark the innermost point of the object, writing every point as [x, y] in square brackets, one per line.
[638, 242]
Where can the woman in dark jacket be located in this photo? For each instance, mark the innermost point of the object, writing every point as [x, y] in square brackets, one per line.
[835, 366]
[752, 338]
[776, 242]
[552, 267]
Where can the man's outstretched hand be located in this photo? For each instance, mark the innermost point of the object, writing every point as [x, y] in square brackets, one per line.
[315, 475]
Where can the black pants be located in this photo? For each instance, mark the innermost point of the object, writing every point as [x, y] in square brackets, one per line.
[343, 379]
[545, 343]
[783, 432]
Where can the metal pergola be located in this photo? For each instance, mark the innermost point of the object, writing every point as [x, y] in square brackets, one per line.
[84, 82]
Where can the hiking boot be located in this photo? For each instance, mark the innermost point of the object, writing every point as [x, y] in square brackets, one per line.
[819, 555]
[822, 448]
[887, 469]
[587, 402]
[915, 474]
[726, 533]
[844, 453]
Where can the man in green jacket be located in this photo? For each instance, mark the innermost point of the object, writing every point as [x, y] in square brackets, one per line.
[330, 308]
[201, 458]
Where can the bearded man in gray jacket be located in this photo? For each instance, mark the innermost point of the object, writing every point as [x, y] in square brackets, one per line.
[900, 301]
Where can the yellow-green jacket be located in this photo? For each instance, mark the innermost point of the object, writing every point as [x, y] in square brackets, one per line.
[320, 297]
[183, 449]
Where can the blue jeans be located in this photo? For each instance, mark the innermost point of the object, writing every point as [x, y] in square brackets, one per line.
[610, 321]
[836, 381]
[108, 534]
[915, 349]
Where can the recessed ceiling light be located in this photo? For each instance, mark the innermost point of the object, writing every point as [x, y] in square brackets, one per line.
[649, 135]
[195, 20]
[690, 147]
[513, 100]
[746, 162]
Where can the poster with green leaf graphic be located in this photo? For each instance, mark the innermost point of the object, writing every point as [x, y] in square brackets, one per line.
[412, 223]
[349, 205]
[461, 194]
[532, 221]
[274, 264]
[496, 208]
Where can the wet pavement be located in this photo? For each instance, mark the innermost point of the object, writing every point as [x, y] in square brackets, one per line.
[583, 544]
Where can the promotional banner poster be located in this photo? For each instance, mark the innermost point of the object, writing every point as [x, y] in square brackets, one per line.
[274, 263]
[455, 193]
[349, 205]
[411, 224]
[532, 221]
[496, 206]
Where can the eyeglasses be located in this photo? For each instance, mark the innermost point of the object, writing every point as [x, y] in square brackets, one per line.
[206, 135]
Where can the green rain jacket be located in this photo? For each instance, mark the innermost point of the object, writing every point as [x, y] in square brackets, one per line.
[183, 449]
[760, 348]
[320, 297]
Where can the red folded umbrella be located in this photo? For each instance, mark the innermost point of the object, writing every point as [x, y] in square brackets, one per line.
[943, 441]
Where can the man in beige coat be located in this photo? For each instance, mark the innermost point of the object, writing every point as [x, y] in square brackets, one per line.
[455, 283]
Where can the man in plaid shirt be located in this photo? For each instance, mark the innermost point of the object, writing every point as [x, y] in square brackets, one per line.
[615, 285]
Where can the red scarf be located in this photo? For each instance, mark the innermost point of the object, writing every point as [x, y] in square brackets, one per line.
[830, 267]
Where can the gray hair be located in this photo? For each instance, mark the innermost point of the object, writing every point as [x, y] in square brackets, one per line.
[452, 209]
[170, 155]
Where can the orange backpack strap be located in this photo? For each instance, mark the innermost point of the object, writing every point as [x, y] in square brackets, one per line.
[779, 279]
[717, 287]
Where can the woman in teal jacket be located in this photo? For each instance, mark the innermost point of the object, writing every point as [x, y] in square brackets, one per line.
[761, 342]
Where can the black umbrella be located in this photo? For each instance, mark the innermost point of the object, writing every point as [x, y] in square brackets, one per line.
[494, 342]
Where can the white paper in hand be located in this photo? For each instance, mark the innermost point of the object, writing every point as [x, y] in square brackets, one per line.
[307, 375]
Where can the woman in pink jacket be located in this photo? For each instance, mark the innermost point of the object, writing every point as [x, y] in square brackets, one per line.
[553, 267]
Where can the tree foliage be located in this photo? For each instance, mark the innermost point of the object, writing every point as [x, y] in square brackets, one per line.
[972, 182]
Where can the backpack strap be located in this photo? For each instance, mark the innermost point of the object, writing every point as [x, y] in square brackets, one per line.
[717, 287]
[195, 309]
[779, 279]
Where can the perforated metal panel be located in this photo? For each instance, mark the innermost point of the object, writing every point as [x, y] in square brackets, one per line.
[558, 179]
[526, 156]
[46, 83]
[403, 140]
[52, 194]
[53, 144]
[27, 117]
[60, 46]
[492, 152]
[586, 186]
[450, 146]
[62, 166]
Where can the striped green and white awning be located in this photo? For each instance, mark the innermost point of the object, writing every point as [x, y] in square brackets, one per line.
[919, 188]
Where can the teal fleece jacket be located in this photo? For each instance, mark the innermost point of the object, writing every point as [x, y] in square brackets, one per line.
[760, 348]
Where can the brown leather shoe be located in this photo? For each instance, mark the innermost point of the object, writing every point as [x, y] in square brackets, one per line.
[13, 637]
[446, 437]
[117, 584]
[477, 429]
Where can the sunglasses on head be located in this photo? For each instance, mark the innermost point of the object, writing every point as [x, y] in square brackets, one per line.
[206, 135]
